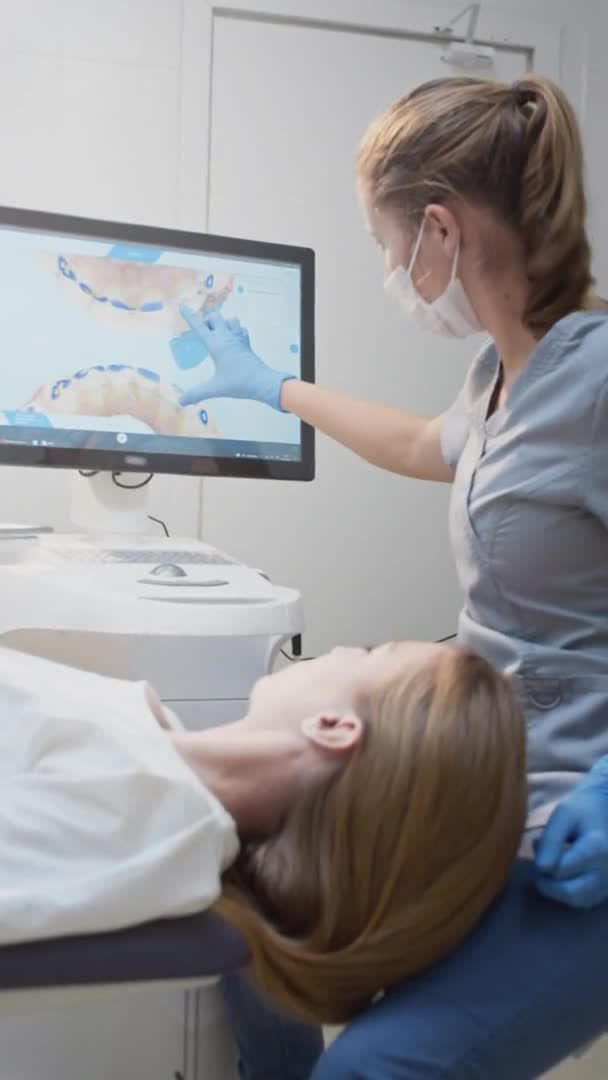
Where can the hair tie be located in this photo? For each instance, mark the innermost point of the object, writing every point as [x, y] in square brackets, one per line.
[522, 96]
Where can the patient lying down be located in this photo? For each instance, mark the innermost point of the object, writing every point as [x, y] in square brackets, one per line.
[354, 825]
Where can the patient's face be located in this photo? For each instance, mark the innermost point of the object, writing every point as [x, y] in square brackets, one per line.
[331, 682]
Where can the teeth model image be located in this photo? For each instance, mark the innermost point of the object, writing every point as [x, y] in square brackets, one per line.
[121, 390]
[129, 288]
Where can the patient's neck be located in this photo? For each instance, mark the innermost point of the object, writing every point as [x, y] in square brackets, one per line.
[254, 774]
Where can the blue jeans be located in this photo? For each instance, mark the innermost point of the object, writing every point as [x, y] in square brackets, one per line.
[271, 1046]
[527, 988]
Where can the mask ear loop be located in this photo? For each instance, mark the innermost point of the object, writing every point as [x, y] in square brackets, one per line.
[416, 283]
[455, 262]
[416, 250]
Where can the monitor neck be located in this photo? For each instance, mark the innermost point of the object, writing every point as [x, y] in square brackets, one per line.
[100, 506]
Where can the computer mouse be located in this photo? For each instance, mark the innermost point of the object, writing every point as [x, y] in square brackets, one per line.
[168, 570]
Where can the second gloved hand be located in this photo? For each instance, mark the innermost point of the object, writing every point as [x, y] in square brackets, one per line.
[572, 853]
[239, 372]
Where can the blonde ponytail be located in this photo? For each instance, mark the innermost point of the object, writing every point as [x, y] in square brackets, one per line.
[552, 207]
[383, 868]
[515, 150]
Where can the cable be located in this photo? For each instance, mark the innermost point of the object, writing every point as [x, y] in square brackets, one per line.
[158, 521]
[128, 487]
[450, 637]
[296, 659]
[125, 487]
[138, 487]
[131, 487]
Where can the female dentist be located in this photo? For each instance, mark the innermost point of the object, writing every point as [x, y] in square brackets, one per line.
[474, 191]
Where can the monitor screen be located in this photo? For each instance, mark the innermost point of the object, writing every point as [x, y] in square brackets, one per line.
[101, 354]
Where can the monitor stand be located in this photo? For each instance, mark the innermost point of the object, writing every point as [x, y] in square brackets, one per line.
[103, 509]
[115, 527]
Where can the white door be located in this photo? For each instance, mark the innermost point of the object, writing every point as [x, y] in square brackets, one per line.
[289, 102]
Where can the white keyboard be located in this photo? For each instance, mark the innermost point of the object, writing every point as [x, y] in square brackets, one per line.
[82, 554]
[75, 549]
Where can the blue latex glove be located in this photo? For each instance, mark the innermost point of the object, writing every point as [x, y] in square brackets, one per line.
[572, 853]
[239, 372]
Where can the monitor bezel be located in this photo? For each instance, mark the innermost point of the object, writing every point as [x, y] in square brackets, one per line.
[116, 461]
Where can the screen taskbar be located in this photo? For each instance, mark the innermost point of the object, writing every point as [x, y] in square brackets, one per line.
[149, 444]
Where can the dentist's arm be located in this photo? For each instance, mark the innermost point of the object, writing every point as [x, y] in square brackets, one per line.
[390, 438]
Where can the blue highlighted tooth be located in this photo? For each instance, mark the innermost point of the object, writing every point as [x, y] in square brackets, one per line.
[64, 268]
[82, 374]
[188, 350]
[147, 374]
[152, 305]
[121, 305]
[61, 384]
[203, 416]
[119, 367]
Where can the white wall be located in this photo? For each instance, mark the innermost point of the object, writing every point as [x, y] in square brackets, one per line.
[89, 106]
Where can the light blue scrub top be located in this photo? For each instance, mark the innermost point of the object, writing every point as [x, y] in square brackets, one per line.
[529, 530]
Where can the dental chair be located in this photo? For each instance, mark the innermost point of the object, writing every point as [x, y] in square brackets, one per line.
[185, 950]
[132, 1003]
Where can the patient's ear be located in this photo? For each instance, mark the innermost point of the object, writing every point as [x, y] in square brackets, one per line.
[338, 732]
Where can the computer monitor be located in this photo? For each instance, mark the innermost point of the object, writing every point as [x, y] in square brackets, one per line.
[96, 353]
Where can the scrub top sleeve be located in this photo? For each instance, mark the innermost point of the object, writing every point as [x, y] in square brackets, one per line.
[455, 431]
[597, 474]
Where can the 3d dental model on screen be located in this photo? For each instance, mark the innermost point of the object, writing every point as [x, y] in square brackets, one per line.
[121, 390]
[128, 287]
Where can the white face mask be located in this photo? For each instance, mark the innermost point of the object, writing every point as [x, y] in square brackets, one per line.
[450, 314]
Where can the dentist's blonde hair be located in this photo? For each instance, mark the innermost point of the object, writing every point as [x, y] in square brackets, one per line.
[515, 150]
[382, 869]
